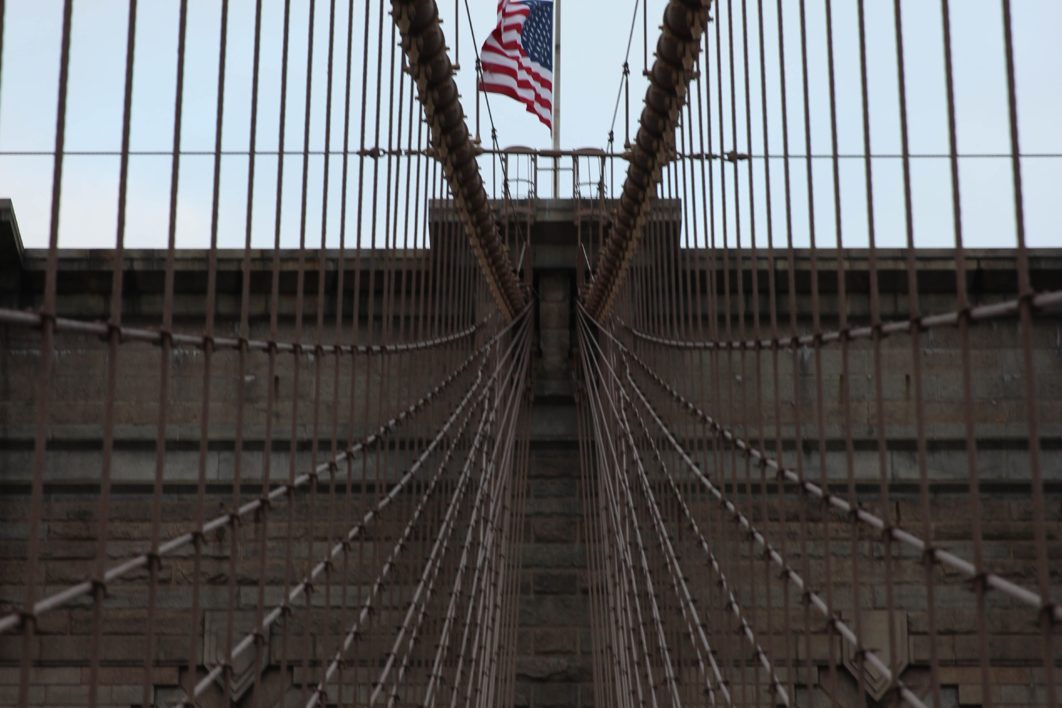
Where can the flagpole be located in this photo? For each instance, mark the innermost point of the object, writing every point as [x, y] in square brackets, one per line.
[556, 95]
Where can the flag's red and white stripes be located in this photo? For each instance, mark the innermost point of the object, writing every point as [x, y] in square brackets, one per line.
[509, 70]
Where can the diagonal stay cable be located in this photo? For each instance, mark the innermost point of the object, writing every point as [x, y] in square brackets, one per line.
[636, 528]
[433, 564]
[484, 596]
[352, 633]
[843, 506]
[305, 586]
[732, 604]
[684, 596]
[515, 397]
[678, 580]
[319, 695]
[267, 499]
[458, 672]
[451, 610]
[355, 531]
[812, 598]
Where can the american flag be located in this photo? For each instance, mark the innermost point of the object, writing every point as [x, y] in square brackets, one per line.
[517, 57]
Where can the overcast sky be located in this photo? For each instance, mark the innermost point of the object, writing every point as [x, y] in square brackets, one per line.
[595, 38]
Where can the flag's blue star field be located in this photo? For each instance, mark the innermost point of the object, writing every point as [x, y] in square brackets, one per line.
[537, 37]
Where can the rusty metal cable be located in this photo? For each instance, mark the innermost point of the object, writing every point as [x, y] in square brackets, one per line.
[269, 497]
[430, 65]
[799, 468]
[676, 53]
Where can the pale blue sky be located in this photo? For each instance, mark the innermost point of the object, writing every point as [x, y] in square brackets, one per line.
[595, 36]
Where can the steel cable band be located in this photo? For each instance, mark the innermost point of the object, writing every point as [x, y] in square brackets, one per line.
[676, 56]
[875, 523]
[430, 65]
[771, 554]
[276, 493]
